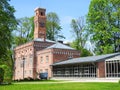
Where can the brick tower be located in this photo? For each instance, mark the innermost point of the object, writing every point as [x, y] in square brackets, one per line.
[39, 22]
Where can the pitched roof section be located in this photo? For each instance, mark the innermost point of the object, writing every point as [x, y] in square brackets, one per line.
[86, 59]
[60, 46]
[56, 45]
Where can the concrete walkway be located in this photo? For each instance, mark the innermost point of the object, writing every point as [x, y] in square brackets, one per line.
[76, 79]
[71, 80]
[41, 82]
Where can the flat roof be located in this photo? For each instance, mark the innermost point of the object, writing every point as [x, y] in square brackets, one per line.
[86, 59]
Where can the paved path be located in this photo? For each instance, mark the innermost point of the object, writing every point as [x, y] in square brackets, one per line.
[71, 80]
[56, 82]
[76, 79]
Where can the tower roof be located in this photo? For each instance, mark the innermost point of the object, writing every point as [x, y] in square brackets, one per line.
[38, 8]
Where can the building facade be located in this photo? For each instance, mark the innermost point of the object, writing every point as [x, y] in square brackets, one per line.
[102, 66]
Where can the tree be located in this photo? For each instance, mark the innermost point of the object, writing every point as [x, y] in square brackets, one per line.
[53, 27]
[115, 5]
[7, 22]
[24, 31]
[83, 50]
[78, 29]
[103, 25]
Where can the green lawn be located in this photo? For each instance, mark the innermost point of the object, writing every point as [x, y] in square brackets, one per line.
[63, 86]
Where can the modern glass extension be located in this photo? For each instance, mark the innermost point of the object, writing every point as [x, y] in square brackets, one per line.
[83, 70]
[113, 68]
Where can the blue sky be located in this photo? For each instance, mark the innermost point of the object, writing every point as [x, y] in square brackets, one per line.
[66, 10]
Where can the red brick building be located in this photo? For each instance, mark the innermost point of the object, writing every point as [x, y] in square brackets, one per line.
[28, 56]
[59, 60]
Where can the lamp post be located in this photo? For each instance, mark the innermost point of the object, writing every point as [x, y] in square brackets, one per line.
[23, 66]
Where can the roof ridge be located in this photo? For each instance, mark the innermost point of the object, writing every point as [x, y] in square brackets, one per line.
[60, 45]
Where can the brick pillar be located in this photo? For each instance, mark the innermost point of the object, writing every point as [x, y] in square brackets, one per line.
[101, 69]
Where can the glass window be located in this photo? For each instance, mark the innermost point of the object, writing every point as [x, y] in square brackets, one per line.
[21, 64]
[46, 70]
[47, 58]
[41, 70]
[41, 60]
[30, 71]
[41, 13]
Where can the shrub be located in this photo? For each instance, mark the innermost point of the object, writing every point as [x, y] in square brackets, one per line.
[1, 75]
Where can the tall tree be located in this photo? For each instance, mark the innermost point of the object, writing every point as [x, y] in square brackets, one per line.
[115, 14]
[7, 22]
[78, 27]
[24, 30]
[80, 35]
[103, 22]
[53, 27]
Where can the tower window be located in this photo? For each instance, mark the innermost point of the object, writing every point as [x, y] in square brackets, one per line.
[42, 24]
[42, 14]
[47, 59]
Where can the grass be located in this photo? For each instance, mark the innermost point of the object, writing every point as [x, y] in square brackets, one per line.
[63, 86]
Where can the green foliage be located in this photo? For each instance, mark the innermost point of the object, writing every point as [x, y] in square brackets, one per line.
[104, 25]
[53, 27]
[104, 49]
[1, 75]
[84, 52]
[6, 73]
[78, 30]
[80, 35]
[24, 31]
[7, 22]
[7, 25]
[75, 44]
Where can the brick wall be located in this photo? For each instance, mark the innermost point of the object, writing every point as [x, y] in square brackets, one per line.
[101, 69]
[55, 55]
[44, 60]
[25, 51]
[28, 51]
[64, 54]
